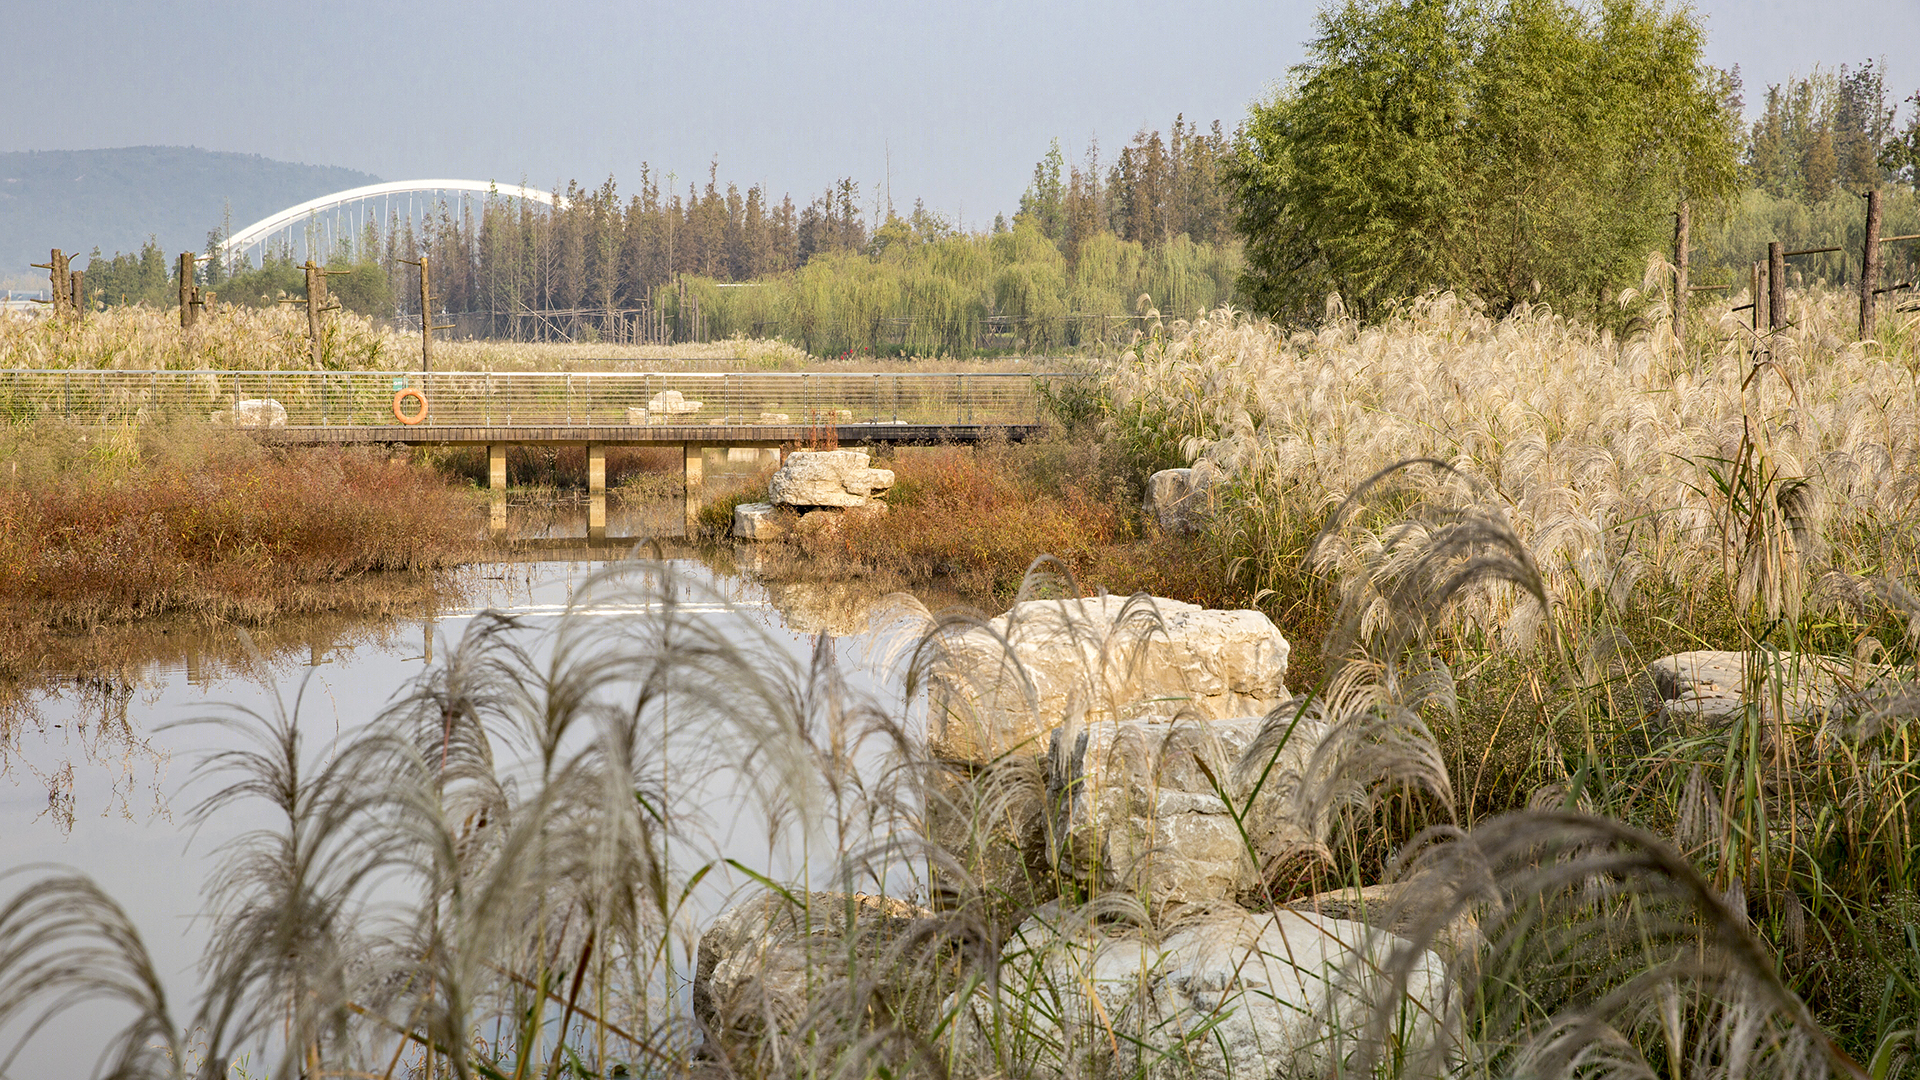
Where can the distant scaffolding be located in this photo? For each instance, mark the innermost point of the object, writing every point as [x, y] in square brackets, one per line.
[315, 228]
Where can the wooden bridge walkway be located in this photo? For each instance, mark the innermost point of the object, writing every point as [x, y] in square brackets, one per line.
[772, 411]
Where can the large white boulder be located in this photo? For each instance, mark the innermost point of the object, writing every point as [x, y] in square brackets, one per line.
[671, 402]
[1002, 686]
[1235, 994]
[259, 413]
[840, 478]
[1178, 499]
[1709, 687]
[1176, 813]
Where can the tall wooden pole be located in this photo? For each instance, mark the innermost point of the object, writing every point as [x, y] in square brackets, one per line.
[426, 316]
[1759, 302]
[60, 281]
[1870, 264]
[1682, 225]
[187, 297]
[1776, 285]
[316, 302]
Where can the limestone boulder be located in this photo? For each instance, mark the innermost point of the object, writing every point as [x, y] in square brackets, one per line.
[1144, 806]
[1235, 994]
[1003, 686]
[1710, 688]
[832, 478]
[259, 413]
[671, 403]
[759, 521]
[761, 962]
[1405, 908]
[1178, 500]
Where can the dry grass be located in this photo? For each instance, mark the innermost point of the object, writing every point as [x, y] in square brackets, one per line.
[1611, 458]
[966, 522]
[140, 338]
[1610, 499]
[183, 520]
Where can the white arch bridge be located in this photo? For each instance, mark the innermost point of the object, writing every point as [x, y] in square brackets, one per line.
[314, 228]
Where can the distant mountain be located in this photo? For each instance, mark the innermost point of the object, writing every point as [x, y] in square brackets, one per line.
[77, 200]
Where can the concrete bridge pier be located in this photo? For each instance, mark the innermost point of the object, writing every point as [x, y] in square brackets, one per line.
[596, 492]
[693, 484]
[497, 485]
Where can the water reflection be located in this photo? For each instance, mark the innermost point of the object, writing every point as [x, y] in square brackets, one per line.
[92, 764]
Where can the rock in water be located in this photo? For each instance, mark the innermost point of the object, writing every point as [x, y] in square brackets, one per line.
[1231, 994]
[838, 478]
[1177, 499]
[1002, 687]
[764, 963]
[757, 521]
[1144, 806]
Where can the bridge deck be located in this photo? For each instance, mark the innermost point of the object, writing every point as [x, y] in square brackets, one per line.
[872, 434]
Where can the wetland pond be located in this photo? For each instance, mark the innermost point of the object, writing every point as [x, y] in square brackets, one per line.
[96, 768]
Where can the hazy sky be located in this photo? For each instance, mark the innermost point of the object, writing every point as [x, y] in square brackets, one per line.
[953, 103]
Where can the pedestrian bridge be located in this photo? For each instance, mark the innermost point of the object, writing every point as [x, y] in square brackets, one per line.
[774, 411]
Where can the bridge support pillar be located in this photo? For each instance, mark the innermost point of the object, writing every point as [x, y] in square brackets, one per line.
[596, 492]
[497, 486]
[693, 485]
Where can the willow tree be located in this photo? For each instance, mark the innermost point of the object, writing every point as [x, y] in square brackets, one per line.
[1514, 150]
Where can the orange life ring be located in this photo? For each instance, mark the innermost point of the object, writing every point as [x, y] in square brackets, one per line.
[403, 417]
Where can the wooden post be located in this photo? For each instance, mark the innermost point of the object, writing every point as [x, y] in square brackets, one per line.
[187, 291]
[1759, 304]
[1776, 285]
[596, 492]
[77, 293]
[426, 316]
[1870, 264]
[316, 306]
[59, 281]
[693, 482]
[1682, 224]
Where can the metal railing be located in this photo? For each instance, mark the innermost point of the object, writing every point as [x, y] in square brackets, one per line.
[490, 399]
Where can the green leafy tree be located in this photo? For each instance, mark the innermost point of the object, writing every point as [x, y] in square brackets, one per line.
[1513, 150]
[1044, 202]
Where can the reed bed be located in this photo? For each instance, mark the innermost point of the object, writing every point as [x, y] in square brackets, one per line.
[186, 521]
[234, 338]
[1612, 499]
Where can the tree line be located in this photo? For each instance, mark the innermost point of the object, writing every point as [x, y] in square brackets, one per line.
[1519, 151]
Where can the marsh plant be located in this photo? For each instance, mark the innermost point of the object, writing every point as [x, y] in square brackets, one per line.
[495, 877]
[1744, 492]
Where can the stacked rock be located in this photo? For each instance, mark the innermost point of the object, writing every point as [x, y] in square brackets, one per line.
[1161, 759]
[813, 480]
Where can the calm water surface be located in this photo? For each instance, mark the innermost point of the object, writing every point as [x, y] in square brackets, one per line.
[92, 770]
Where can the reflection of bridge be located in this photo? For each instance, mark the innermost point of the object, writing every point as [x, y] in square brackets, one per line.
[694, 410]
[323, 221]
